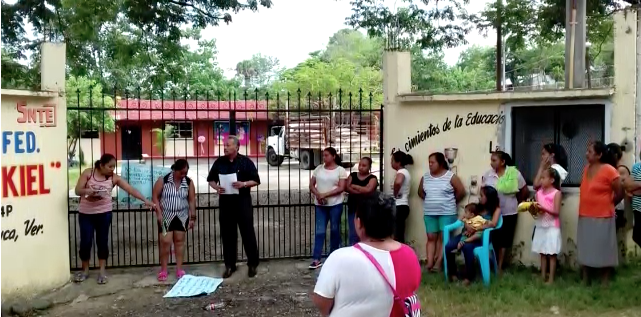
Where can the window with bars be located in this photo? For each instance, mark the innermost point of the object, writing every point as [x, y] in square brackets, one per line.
[182, 130]
[573, 127]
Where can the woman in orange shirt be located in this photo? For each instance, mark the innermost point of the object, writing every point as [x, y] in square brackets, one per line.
[601, 190]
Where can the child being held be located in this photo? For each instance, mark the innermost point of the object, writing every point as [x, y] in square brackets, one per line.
[474, 217]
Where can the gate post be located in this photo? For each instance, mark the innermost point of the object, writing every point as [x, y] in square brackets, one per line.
[397, 80]
[35, 218]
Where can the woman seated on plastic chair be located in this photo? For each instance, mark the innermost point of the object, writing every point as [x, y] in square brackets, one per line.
[489, 202]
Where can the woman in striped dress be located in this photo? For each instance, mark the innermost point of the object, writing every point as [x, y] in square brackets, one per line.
[441, 191]
[175, 196]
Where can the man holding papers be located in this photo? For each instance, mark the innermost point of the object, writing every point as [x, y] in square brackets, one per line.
[232, 176]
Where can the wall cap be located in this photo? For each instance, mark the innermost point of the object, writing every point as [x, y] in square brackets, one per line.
[417, 97]
[29, 93]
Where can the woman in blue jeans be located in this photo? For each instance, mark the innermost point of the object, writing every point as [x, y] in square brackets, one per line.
[489, 202]
[327, 186]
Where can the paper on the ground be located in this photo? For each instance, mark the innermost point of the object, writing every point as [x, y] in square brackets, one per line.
[226, 181]
[190, 285]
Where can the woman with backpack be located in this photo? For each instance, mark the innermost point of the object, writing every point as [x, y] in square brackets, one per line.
[175, 196]
[377, 276]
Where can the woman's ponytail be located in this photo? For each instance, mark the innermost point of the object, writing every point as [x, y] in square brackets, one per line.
[409, 160]
[104, 160]
[403, 158]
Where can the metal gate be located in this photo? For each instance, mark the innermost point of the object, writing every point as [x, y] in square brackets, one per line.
[284, 133]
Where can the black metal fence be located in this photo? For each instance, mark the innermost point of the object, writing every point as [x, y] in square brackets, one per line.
[283, 133]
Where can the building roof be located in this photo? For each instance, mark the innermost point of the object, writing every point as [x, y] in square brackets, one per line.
[190, 110]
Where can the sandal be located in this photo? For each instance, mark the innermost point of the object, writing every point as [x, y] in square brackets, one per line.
[80, 277]
[102, 279]
[180, 274]
[162, 276]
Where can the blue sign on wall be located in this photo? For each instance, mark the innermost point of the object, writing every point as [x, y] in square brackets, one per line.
[141, 177]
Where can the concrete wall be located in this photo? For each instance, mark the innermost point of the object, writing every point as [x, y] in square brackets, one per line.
[35, 253]
[475, 124]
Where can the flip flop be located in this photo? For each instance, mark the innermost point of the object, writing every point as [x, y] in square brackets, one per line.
[102, 279]
[180, 274]
[162, 276]
[80, 277]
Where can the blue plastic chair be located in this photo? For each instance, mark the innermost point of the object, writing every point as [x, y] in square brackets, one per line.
[483, 254]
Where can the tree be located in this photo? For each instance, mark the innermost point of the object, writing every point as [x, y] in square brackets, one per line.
[529, 22]
[85, 93]
[259, 71]
[355, 47]
[429, 24]
[473, 71]
[350, 63]
[161, 137]
[104, 37]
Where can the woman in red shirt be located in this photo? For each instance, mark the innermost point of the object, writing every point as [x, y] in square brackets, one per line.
[601, 190]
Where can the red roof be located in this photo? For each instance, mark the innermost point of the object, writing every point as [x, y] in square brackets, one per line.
[190, 110]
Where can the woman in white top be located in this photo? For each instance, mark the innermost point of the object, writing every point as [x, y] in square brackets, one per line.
[327, 186]
[351, 285]
[401, 188]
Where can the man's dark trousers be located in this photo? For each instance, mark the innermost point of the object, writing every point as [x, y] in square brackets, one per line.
[236, 211]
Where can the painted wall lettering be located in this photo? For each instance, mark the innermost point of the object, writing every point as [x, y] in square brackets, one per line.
[45, 116]
[24, 180]
[6, 210]
[471, 119]
[23, 142]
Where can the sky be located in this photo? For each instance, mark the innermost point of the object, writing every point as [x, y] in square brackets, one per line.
[291, 29]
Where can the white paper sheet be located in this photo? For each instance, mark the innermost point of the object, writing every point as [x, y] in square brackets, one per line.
[190, 285]
[226, 181]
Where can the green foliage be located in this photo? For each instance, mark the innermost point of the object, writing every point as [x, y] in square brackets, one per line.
[86, 93]
[124, 43]
[161, 136]
[543, 22]
[351, 62]
[259, 71]
[473, 72]
[430, 24]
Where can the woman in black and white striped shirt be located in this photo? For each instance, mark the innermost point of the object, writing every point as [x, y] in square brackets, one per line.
[175, 196]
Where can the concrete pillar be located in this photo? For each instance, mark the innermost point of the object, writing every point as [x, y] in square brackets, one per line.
[578, 44]
[626, 100]
[36, 258]
[397, 80]
[52, 66]
[637, 139]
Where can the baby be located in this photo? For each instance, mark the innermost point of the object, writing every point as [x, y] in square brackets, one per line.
[473, 218]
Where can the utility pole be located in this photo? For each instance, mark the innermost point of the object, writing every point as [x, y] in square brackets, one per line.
[499, 45]
[575, 40]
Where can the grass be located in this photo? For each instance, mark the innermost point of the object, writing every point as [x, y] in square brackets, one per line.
[520, 292]
[73, 175]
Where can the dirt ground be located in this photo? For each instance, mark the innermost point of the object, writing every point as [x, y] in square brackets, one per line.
[281, 289]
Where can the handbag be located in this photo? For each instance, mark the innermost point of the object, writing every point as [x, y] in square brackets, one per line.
[409, 306]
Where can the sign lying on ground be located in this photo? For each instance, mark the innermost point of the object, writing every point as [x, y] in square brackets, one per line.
[189, 285]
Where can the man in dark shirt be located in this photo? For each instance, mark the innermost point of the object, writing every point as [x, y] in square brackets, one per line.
[236, 209]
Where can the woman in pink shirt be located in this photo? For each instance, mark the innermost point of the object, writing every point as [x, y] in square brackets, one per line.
[362, 280]
[94, 211]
